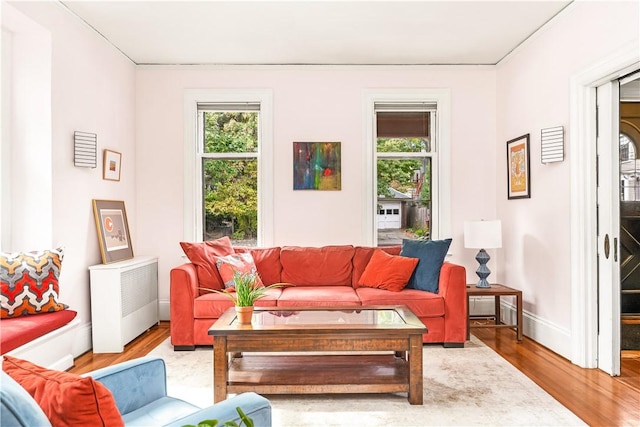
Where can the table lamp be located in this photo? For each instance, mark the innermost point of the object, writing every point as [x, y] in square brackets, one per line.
[483, 235]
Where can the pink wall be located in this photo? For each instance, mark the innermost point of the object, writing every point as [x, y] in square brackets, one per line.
[310, 104]
[92, 90]
[532, 94]
[139, 112]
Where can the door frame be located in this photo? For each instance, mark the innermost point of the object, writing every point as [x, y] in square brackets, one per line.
[582, 146]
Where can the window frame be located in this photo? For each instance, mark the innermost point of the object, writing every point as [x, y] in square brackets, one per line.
[440, 155]
[194, 153]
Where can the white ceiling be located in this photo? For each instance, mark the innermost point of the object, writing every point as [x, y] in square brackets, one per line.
[316, 32]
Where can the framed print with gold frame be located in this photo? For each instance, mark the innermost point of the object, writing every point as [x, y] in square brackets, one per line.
[518, 168]
[111, 167]
[113, 230]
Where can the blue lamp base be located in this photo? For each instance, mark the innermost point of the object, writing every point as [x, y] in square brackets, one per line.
[483, 271]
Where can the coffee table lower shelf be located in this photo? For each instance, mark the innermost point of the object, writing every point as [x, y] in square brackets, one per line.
[318, 374]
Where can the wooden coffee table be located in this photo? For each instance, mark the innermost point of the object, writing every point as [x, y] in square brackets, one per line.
[372, 350]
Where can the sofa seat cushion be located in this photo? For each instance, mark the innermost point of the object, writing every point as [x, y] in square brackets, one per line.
[421, 303]
[212, 304]
[319, 296]
[18, 331]
[325, 266]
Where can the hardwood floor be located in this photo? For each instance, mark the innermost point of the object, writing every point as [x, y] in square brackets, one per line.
[597, 398]
[594, 396]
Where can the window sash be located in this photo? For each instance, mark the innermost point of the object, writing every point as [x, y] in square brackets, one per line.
[441, 131]
[193, 141]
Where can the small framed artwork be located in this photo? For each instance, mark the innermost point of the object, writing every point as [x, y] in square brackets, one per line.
[316, 166]
[113, 230]
[112, 161]
[518, 170]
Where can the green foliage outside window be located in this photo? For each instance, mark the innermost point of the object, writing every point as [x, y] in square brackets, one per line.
[399, 174]
[230, 191]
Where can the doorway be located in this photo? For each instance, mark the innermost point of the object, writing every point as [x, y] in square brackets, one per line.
[618, 221]
[629, 129]
[585, 243]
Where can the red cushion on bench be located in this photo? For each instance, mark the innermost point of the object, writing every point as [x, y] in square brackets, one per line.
[17, 331]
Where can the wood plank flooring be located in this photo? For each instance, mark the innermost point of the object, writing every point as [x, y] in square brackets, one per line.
[597, 398]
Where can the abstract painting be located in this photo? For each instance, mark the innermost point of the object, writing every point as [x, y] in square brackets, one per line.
[316, 166]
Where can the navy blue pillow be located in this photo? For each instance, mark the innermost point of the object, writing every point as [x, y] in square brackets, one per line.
[431, 254]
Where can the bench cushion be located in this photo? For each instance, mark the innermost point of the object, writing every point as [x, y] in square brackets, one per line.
[18, 331]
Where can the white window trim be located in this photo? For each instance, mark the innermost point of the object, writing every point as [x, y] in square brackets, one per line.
[193, 169]
[440, 165]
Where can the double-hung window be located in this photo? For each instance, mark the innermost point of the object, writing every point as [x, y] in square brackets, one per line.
[409, 189]
[228, 168]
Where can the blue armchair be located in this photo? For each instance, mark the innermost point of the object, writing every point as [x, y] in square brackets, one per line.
[140, 392]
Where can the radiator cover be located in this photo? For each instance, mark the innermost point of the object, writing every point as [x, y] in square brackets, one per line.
[124, 302]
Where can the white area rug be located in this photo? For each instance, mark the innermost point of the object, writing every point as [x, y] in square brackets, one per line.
[462, 387]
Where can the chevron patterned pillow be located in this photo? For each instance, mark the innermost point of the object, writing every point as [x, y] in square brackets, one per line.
[29, 282]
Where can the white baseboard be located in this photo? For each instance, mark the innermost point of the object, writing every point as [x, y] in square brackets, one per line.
[538, 329]
[83, 341]
[164, 311]
[53, 350]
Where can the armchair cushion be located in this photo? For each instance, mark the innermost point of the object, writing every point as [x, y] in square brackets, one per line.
[139, 389]
[17, 407]
[65, 398]
[253, 405]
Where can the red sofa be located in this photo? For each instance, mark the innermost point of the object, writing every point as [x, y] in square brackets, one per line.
[326, 276]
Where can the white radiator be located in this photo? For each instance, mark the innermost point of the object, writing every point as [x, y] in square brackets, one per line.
[124, 302]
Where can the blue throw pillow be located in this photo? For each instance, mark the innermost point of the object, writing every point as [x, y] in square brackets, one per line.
[431, 254]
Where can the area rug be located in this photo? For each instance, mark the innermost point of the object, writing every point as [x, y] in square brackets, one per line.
[462, 387]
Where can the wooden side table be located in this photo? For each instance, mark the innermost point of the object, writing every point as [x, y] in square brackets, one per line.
[496, 291]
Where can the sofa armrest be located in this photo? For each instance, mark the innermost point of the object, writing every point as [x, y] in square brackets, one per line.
[453, 288]
[253, 405]
[134, 383]
[183, 290]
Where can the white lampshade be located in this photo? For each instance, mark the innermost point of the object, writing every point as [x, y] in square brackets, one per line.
[483, 234]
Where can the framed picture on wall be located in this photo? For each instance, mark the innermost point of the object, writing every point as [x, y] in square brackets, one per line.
[113, 230]
[316, 166]
[518, 169]
[111, 167]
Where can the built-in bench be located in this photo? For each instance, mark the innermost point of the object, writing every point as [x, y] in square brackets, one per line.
[44, 339]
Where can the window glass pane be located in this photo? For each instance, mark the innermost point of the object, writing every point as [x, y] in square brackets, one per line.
[230, 132]
[407, 183]
[230, 194]
[403, 145]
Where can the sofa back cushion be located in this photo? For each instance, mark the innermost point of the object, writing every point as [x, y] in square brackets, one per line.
[362, 256]
[203, 256]
[325, 266]
[267, 263]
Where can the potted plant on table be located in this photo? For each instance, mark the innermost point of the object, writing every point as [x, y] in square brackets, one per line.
[246, 292]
